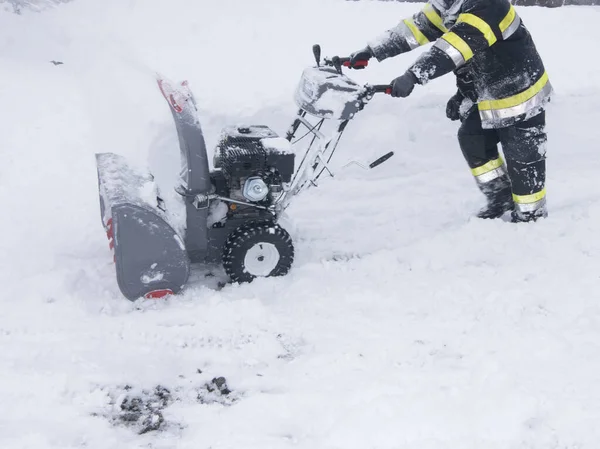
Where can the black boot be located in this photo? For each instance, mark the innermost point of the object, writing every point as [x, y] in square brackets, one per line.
[499, 198]
[519, 216]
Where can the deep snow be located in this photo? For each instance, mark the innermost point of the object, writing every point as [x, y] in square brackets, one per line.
[404, 323]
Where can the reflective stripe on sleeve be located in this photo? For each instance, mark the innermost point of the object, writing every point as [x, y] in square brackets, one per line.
[510, 23]
[434, 18]
[404, 32]
[418, 35]
[455, 47]
[481, 25]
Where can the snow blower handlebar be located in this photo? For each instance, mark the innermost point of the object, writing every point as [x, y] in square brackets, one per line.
[339, 62]
[346, 62]
[380, 89]
[326, 93]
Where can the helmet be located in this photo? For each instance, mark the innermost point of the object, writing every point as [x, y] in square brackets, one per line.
[450, 7]
[449, 10]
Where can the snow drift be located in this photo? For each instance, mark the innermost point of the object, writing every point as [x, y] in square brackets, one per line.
[403, 323]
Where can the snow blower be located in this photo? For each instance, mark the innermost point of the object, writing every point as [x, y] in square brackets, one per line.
[232, 211]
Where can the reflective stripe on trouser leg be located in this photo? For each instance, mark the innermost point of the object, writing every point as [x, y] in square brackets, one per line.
[530, 203]
[490, 171]
[480, 149]
[529, 185]
[524, 146]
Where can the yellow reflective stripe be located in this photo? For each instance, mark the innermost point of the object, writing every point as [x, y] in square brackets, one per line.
[528, 199]
[491, 165]
[515, 100]
[457, 42]
[510, 17]
[434, 18]
[420, 37]
[481, 25]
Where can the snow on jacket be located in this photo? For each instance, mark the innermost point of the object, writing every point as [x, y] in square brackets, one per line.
[511, 83]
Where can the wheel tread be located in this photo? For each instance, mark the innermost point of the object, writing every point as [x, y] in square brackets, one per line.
[245, 235]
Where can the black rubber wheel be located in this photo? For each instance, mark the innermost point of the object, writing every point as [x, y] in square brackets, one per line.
[258, 250]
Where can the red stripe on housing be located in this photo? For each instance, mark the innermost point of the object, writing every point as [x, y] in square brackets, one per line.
[158, 294]
[169, 97]
[109, 229]
[174, 104]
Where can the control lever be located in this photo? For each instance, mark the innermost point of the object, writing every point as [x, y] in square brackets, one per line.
[317, 53]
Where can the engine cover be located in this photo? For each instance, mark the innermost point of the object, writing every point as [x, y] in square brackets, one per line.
[245, 151]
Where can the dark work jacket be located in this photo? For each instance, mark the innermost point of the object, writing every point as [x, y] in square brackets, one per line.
[486, 37]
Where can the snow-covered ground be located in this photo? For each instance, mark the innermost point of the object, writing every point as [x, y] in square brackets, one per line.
[404, 323]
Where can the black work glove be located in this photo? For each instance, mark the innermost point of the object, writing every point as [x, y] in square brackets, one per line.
[359, 59]
[453, 106]
[404, 85]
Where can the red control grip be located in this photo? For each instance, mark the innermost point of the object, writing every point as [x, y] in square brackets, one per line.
[363, 63]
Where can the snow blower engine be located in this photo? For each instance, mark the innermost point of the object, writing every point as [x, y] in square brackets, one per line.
[231, 212]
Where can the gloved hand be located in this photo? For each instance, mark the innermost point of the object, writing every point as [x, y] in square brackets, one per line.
[360, 56]
[453, 106]
[404, 85]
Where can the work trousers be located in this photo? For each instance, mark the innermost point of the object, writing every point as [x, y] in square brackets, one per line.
[524, 147]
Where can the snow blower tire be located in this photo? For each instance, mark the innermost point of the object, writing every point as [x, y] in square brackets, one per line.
[258, 250]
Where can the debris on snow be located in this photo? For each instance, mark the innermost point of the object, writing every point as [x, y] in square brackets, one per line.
[143, 410]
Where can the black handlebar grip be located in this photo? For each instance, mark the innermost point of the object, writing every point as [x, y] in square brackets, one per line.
[383, 89]
[381, 160]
